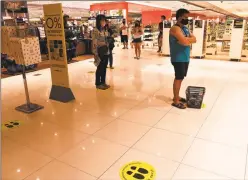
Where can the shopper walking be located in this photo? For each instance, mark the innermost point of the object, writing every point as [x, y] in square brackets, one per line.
[100, 51]
[137, 33]
[111, 42]
[180, 40]
[160, 35]
[124, 34]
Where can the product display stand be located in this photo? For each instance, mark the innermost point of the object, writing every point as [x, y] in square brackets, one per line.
[26, 51]
[245, 41]
[55, 33]
[166, 33]
[149, 36]
[210, 38]
[198, 31]
[28, 107]
[237, 40]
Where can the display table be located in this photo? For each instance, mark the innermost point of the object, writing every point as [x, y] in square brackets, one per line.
[80, 49]
[84, 47]
[88, 46]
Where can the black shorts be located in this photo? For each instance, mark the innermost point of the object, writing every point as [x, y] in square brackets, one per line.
[181, 69]
[137, 40]
[124, 38]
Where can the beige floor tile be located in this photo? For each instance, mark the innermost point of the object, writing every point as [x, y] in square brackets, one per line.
[143, 115]
[165, 144]
[123, 132]
[185, 124]
[225, 127]
[85, 121]
[46, 137]
[114, 109]
[164, 168]
[223, 160]
[19, 161]
[158, 103]
[141, 92]
[94, 156]
[59, 171]
[186, 172]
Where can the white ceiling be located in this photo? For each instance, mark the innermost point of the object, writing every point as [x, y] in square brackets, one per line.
[173, 5]
[239, 8]
[69, 4]
[236, 7]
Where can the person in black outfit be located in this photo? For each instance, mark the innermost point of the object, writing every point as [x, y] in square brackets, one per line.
[160, 36]
[111, 42]
[70, 44]
[101, 51]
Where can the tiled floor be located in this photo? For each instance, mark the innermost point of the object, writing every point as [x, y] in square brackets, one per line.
[94, 136]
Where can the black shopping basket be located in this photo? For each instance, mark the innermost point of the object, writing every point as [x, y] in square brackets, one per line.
[194, 96]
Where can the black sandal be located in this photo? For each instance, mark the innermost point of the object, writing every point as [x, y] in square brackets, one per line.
[182, 100]
[179, 105]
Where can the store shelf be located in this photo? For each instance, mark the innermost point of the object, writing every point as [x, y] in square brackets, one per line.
[150, 35]
[245, 41]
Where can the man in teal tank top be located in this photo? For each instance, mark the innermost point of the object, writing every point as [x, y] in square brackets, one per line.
[180, 40]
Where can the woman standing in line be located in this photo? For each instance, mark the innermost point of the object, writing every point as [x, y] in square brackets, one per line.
[100, 51]
[137, 32]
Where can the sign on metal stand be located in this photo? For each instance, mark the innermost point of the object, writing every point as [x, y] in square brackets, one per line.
[28, 107]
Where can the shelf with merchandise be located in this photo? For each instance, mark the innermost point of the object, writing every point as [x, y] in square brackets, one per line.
[150, 35]
[245, 41]
[210, 37]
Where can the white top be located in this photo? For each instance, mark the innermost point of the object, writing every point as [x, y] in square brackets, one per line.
[136, 36]
[124, 31]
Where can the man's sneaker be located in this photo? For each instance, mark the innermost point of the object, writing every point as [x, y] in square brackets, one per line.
[101, 87]
[106, 86]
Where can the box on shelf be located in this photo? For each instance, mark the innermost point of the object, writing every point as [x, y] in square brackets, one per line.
[245, 52]
[211, 51]
[6, 33]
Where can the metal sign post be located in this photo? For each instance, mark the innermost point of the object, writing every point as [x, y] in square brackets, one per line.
[28, 107]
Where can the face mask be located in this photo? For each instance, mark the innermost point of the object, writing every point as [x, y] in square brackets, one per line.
[185, 21]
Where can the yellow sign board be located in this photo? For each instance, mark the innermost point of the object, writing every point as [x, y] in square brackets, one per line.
[137, 171]
[54, 27]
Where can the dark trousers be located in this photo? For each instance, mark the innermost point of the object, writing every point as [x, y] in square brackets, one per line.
[101, 71]
[111, 58]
